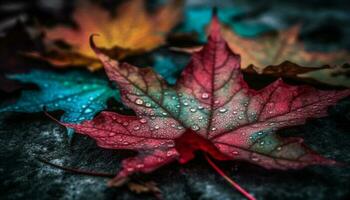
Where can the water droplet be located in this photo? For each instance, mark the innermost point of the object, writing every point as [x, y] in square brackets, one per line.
[136, 128]
[111, 134]
[200, 117]
[164, 113]
[185, 103]
[148, 105]
[235, 152]
[255, 159]
[195, 127]
[200, 107]
[234, 112]
[139, 165]
[279, 148]
[213, 129]
[125, 123]
[216, 101]
[171, 145]
[240, 117]
[91, 98]
[260, 133]
[222, 110]
[143, 121]
[139, 101]
[88, 110]
[169, 153]
[125, 143]
[156, 127]
[193, 110]
[205, 95]
[179, 127]
[262, 143]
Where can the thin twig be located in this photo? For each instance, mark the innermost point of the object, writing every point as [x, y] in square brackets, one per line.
[75, 170]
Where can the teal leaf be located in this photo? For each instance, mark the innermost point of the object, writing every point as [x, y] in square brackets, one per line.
[81, 95]
[197, 18]
[167, 68]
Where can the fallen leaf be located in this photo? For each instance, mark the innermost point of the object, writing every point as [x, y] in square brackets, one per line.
[131, 31]
[80, 95]
[147, 187]
[196, 20]
[273, 50]
[167, 68]
[338, 75]
[267, 55]
[211, 108]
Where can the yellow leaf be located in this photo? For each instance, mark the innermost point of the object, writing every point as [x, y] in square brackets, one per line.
[131, 30]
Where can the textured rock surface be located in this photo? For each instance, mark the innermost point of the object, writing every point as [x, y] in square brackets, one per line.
[24, 138]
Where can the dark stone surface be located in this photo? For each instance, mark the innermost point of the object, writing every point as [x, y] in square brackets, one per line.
[26, 137]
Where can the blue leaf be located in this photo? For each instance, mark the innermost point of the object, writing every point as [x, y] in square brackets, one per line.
[197, 18]
[166, 67]
[80, 95]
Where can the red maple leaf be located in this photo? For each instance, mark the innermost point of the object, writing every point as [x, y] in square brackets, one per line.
[212, 109]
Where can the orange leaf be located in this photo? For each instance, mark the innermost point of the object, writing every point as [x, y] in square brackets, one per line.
[131, 30]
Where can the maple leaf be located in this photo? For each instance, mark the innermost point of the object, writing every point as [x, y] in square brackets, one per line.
[133, 30]
[270, 49]
[211, 108]
[267, 55]
[80, 95]
[167, 68]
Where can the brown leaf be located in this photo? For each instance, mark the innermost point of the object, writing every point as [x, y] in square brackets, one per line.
[268, 55]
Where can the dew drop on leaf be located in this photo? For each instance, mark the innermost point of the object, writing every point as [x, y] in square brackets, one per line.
[222, 110]
[205, 95]
[139, 101]
[88, 110]
[195, 127]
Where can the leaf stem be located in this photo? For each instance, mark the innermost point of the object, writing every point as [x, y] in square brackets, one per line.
[75, 170]
[233, 183]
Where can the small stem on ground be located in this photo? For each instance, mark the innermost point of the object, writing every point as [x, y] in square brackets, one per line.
[75, 170]
[228, 179]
